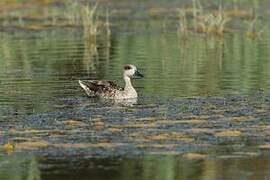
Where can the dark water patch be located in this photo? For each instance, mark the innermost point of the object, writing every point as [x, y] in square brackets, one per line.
[188, 166]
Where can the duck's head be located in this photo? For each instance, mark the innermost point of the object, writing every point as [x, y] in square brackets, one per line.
[131, 71]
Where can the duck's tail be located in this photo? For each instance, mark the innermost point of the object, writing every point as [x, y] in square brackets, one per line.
[86, 88]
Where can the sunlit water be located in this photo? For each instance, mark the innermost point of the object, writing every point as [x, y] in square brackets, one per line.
[39, 73]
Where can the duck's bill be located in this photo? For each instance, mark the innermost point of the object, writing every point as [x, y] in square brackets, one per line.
[138, 75]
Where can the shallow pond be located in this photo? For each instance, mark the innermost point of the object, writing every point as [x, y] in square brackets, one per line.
[202, 112]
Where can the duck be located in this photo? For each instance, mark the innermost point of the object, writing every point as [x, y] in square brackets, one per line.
[109, 89]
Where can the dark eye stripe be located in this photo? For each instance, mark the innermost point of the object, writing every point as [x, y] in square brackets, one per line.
[127, 67]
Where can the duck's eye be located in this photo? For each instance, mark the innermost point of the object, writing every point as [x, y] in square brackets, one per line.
[127, 67]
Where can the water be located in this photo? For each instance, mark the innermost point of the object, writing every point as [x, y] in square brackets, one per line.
[73, 137]
[46, 66]
[148, 166]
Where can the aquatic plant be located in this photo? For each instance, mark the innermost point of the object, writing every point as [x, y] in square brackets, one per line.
[88, 17]
[198, 19]
[107, 24]
[252, 31]
[213, 23]
[72, 13]
[90, 21]
[197, 10]
[183, 27]
[203, 21]
[77, 14]
[209, 22]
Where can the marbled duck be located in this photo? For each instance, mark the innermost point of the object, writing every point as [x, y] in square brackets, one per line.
[110, 90]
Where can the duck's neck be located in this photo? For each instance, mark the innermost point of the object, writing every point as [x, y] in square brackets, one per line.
[128, 85]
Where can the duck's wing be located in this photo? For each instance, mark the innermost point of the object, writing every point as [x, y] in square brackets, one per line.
[94, 87]
[108, 84]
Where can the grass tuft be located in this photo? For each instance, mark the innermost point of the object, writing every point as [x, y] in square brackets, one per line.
[209, 22]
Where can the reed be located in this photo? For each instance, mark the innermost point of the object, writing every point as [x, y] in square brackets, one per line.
[252, 31]
[88, 17]
[107, 24]
[72, 13]
[90, 20]
[183, 26]
[212, 22]
[197, 11]
[203, 21]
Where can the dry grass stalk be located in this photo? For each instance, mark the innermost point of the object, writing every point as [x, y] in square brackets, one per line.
[183, 27]
[90, 20]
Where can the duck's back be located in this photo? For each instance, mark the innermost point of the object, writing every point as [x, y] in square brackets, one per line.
[104, 89]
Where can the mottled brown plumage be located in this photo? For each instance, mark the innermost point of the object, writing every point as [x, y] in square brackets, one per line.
[101, 87]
